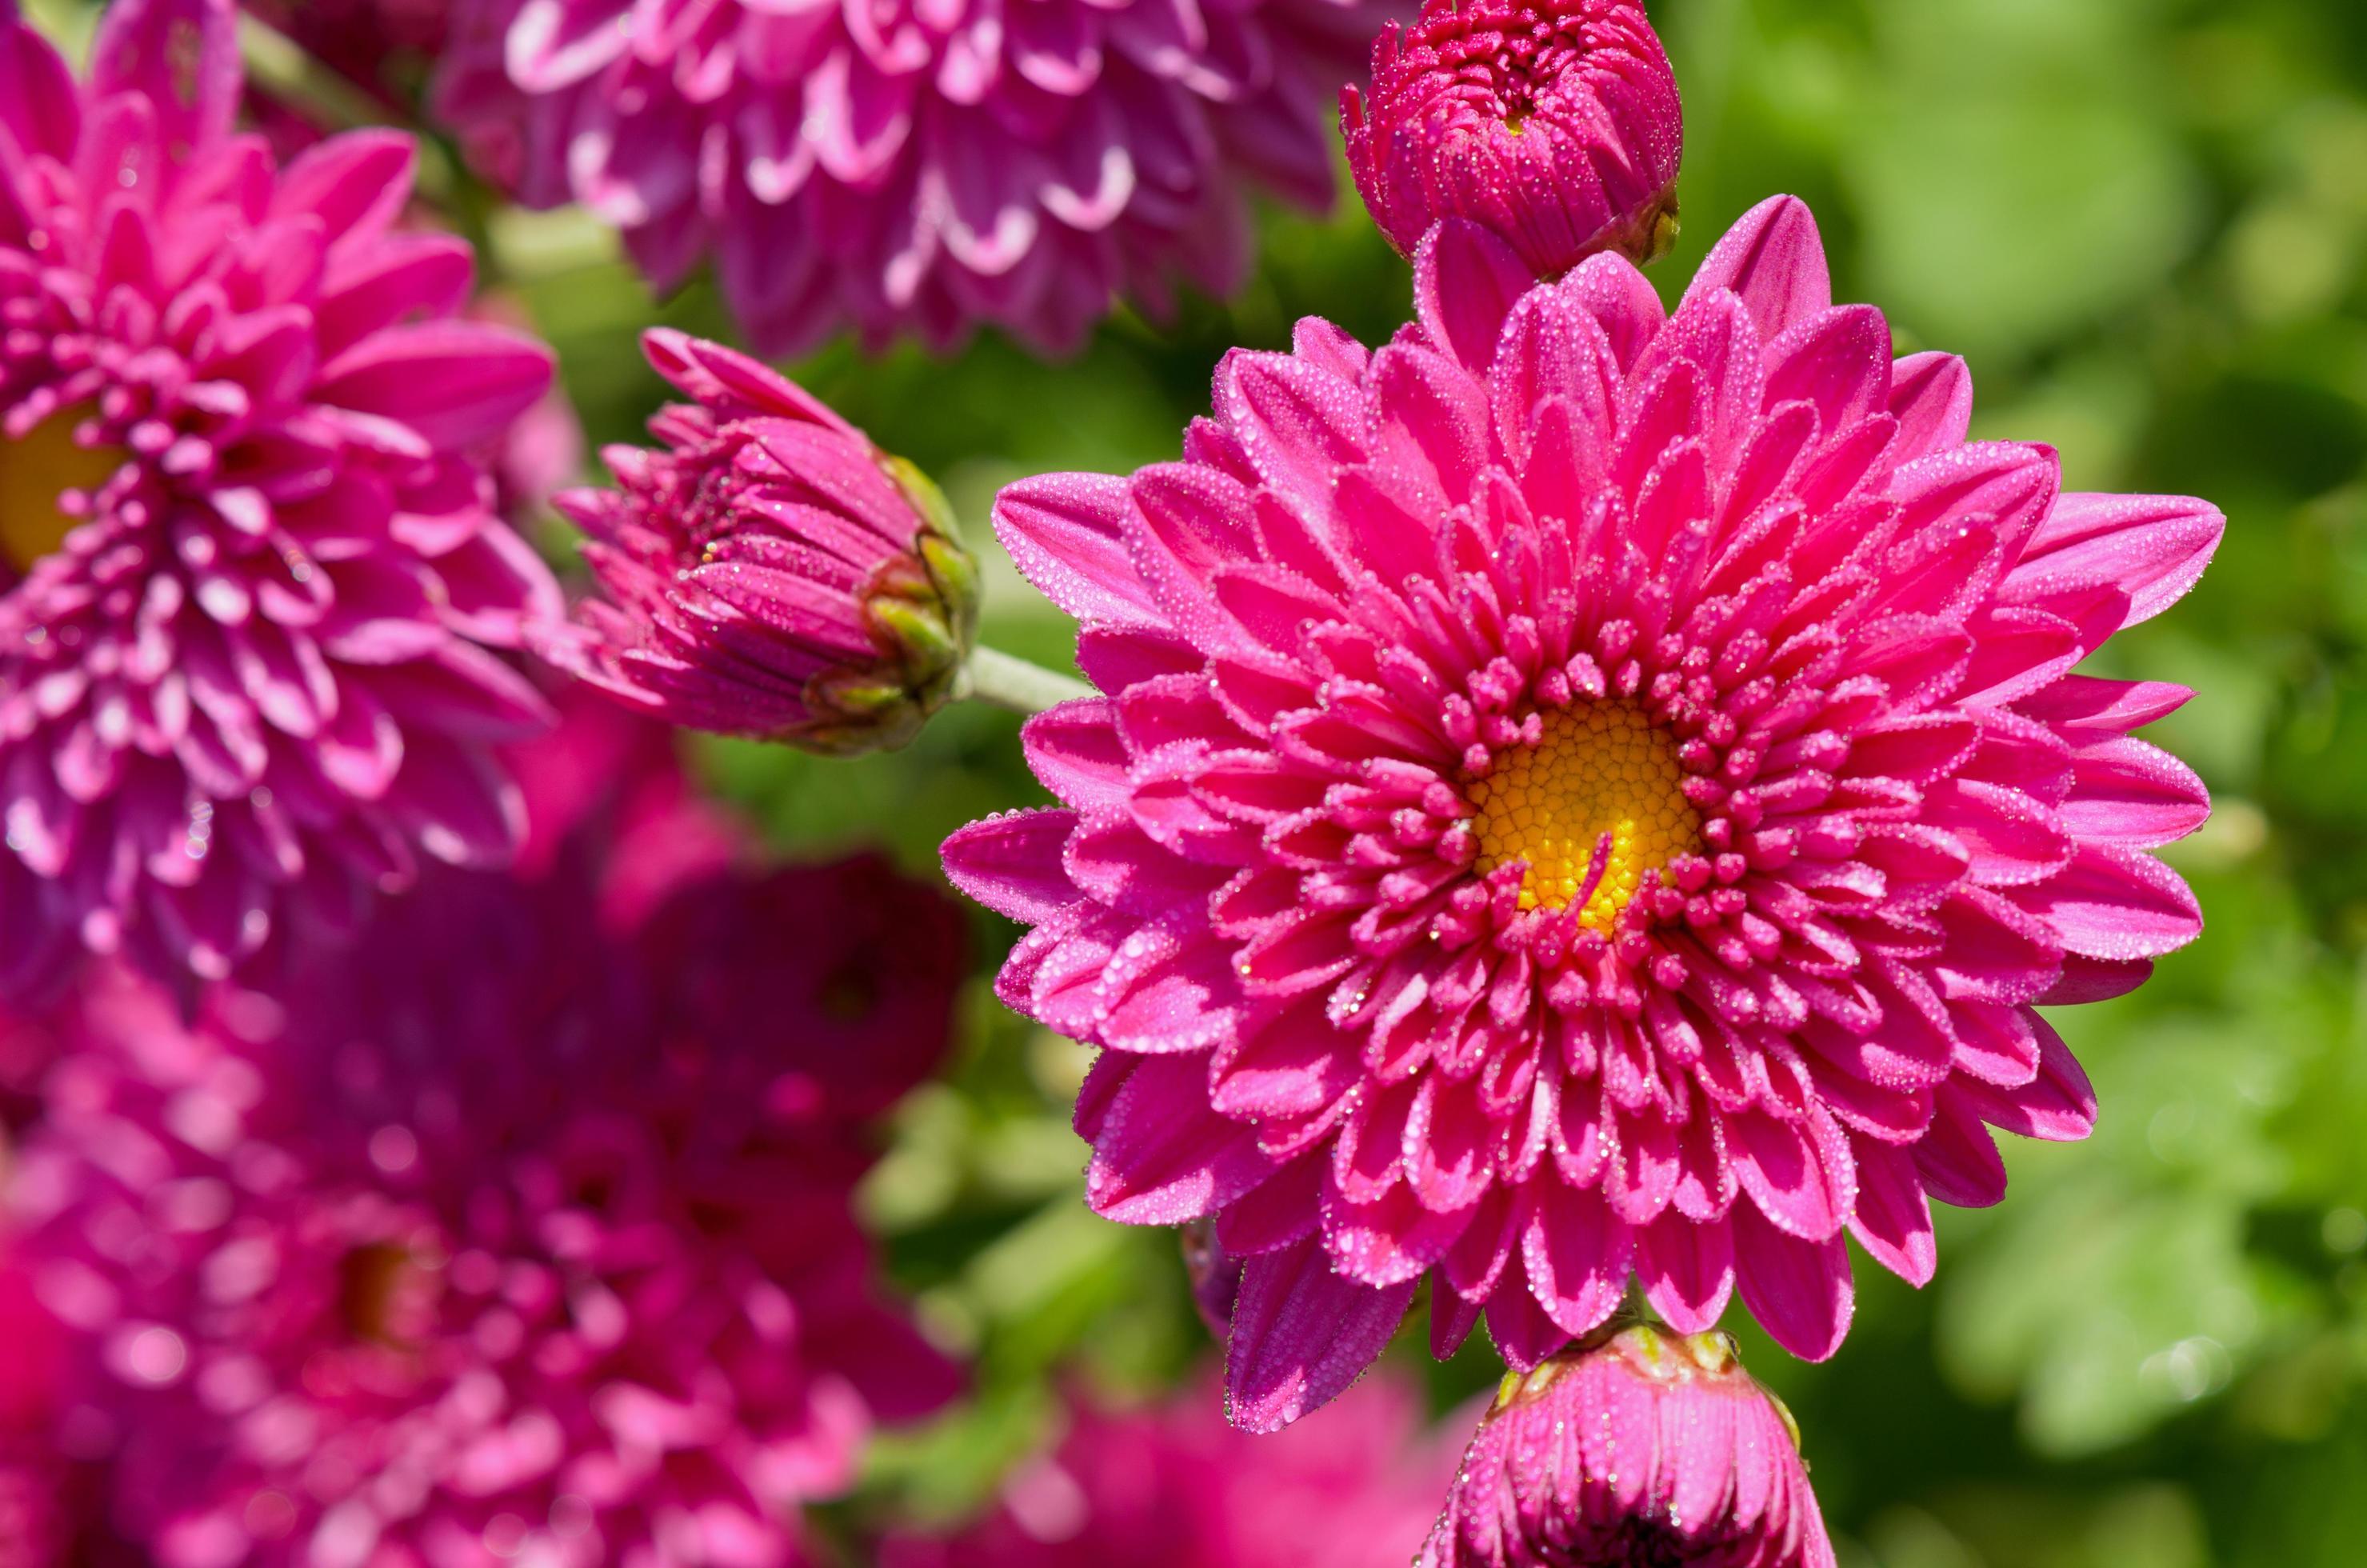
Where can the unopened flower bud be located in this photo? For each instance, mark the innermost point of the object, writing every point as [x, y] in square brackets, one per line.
[1648, 1448]
[1554, 122]
[769, 571]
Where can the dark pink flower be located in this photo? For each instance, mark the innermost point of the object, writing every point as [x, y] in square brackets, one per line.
[1647, 1450]
[1583, 792]
[1555, 123]
[769, 571]
[607, 787]
[912, 168]
[388, 48]
[1176, 1488]
[250, 575]
[506, 1234]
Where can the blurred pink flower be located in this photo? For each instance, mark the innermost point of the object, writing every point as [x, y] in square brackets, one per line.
[1175, 1487]
[607, 801]
[1554, 123]
[1647, 1450]
[508, 1233]
[249, 575]
[43, 1500]
[1583, 792]
[913, 168]
[770, 572]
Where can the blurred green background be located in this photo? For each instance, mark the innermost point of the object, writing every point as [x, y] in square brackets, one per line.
[2145, 225]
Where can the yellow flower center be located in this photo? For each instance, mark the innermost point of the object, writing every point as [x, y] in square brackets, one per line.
[36, 471]
[1596, 808]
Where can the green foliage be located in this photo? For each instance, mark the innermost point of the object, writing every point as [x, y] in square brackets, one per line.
[2145, 223]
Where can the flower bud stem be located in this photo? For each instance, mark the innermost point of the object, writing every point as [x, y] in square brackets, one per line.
[1016, 683]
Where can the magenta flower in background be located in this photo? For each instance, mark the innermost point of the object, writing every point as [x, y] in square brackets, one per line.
[1647, 1448]
[1555, 123]
[250, 576]
[917, 169]
[770, 572]
[45, 1506]
[1583, 792]
[1175, 1487]
[505, 1234]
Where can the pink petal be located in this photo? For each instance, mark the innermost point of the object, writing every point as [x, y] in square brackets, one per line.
[1577, 1254]
[1931, 398]
[2153, 548]
[1011, 864]
[1066, 533]
[1161, 1156]
[455, 382]
[38, 107]
[181, 55]
[1687, 1267]
[1799, 1291]
[1774, 259]
[1301, 1334]
[2057, 1106]
[355, 184]
[2137, 796]
[2115, 903]
[1893, 1221]
[1464, 280]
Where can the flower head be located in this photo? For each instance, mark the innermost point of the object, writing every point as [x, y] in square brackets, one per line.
[504, 1234]
[770, 572]
[1581, 792]
[248, 575]
[1555, 123]
[1647, 1448]
[915, 170]
[1175, 1487]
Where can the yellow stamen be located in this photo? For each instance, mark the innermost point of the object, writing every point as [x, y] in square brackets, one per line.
[1602, 771]
[35, 474]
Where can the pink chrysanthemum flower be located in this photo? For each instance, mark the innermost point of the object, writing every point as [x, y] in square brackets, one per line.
[509, 1236]
[1647, 1450]
[909, 168]
[1555, 123]
[1175, 1487]
[770, 573]
[250, 578]
[1583, 792]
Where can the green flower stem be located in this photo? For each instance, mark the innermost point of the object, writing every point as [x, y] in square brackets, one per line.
[1016, 683]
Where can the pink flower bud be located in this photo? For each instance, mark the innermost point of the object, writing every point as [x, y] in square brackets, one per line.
[769, 571]
[1554, 122]
[1647, 1448]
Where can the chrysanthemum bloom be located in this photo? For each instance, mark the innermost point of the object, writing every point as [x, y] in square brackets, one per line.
[250, 579]
[1581, 792]
[1555, 123]
[1649, 1449]
[770, 573]
[917, 169]
[1175, 1487]
[503, 1237]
